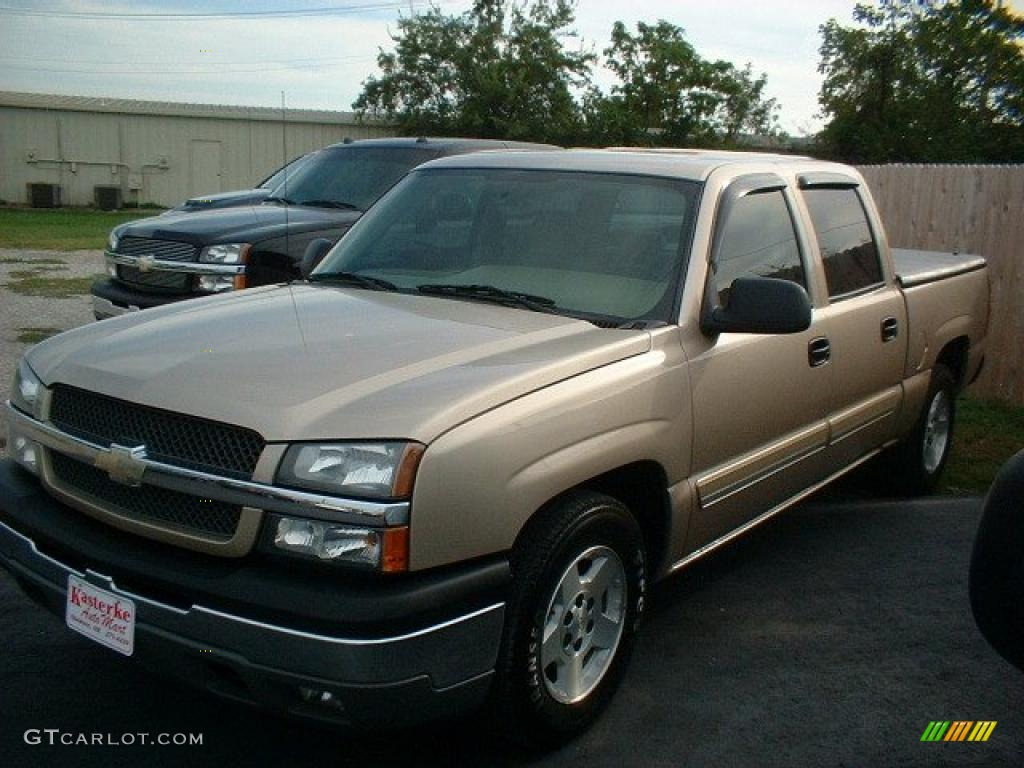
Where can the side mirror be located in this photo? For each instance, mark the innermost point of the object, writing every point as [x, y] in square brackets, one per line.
[315, 252]
[760, 305]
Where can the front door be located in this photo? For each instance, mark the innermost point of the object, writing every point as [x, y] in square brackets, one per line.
[760, 402]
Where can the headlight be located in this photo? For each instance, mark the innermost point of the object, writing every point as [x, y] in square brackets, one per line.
[382, 549]
[25, 394]
[369, 470]
[219, 283]
[228, 253]
[112, 240]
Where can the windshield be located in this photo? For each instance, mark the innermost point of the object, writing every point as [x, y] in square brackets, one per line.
[350, 175]
[278, 176]
[595, 245]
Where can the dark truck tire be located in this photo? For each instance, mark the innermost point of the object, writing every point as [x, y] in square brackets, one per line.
[915, 465]
[579, 573]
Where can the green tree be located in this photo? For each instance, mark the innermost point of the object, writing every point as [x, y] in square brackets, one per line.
[499, 70]
[516, 70]
[924, 82]
[668, 94]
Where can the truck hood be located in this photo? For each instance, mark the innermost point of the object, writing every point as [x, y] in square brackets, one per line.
[305, 362]
[245, 224]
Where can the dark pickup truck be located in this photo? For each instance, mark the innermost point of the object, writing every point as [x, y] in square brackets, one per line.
[160, 260]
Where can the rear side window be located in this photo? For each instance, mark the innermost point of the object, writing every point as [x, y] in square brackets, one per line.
[847, 246]
[758, 240]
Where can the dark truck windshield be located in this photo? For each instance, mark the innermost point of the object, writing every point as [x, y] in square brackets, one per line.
[289, 171]
[605, 247]
[351, 176]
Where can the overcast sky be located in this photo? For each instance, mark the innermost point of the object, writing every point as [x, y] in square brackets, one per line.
[320, 60]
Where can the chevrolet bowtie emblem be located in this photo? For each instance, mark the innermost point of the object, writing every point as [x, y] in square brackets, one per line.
[124, 465]
[145, 263]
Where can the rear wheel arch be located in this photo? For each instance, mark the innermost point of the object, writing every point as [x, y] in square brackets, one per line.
[954, 356]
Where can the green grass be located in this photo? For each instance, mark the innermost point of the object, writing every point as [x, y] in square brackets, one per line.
[19, 260]
[35, 335]
[33, 284]
[63, 229]
[986, 435]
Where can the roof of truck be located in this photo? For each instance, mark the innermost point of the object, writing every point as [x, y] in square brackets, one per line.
[694, 164]
[447, 143]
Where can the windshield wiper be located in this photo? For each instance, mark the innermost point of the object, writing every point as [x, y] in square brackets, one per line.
[278, 199]
[354, 278]
[491, 293]
[331, 204]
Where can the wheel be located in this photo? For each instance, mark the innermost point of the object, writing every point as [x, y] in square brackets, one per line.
[919, 460]
[579, 581]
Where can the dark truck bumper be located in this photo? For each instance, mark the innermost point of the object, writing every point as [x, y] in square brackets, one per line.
[111, 298]
[387, 651]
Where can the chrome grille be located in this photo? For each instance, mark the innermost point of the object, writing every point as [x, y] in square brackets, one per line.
[212, 519]
[168, 250]
[171, 438]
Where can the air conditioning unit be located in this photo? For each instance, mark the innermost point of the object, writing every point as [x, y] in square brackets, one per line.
[108, 197]
[44, 195]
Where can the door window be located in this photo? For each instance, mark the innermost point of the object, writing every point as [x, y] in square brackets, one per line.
[847, 246]
[758, 240]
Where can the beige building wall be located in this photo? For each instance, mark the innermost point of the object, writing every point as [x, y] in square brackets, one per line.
[155, 152]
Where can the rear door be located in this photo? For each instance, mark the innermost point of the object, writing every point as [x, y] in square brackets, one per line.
[865, 320]
[760, 402]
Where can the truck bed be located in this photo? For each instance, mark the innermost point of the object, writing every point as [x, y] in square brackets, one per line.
[918, 267]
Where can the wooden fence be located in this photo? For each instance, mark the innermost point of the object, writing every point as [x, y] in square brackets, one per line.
[974, 209]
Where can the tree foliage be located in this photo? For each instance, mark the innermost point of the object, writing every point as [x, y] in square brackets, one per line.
[518, 71]
[499, 70]
[924, 82]
[667, 94]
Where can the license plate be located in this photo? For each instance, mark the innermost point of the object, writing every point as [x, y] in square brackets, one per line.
[101, 616]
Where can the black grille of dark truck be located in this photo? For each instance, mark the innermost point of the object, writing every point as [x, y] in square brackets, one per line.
[146, 503]
[167, 250]
[171, 438]
[168, 282]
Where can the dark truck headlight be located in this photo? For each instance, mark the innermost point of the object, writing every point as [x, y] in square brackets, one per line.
[225, 253]
[26, 396]
[370, 470]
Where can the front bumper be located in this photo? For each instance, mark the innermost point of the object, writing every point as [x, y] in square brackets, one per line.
[265, 634]
[111, 298]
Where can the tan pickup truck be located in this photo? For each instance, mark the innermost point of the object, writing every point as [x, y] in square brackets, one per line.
[443, 470]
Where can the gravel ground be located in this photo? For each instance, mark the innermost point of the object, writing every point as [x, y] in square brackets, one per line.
[18, 311]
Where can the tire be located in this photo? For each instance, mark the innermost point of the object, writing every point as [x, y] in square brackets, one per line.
[578, 566]
[916, 463]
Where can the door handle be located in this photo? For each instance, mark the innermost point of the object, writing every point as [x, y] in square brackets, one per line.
[890, 329]
[819, 352]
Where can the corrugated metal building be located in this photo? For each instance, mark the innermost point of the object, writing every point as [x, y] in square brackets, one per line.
[155, 152]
